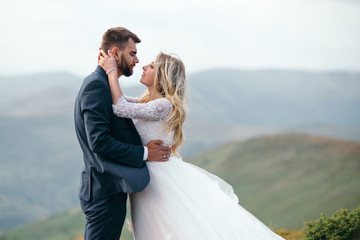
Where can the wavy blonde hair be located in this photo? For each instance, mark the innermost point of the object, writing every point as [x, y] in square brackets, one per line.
[170, 83]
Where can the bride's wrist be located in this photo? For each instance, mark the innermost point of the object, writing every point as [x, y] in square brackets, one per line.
[113, 76]
[110, 70]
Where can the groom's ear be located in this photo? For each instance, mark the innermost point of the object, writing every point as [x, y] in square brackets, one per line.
[116, 52]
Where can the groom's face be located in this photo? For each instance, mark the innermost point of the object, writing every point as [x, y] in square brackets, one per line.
[128, 59]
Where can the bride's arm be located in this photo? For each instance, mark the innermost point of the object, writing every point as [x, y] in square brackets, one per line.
[115, 89]
[108, 63]
[128, 107]
[132, 99]
[158, 109]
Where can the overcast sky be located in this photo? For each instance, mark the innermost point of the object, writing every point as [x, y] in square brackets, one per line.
[47, 35]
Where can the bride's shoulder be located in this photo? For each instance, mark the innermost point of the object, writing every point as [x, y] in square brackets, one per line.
[163, 103]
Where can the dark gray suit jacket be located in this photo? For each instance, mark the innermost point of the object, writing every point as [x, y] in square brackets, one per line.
[112, 148]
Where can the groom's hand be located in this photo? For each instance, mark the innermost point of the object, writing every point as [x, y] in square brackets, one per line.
[157, 152]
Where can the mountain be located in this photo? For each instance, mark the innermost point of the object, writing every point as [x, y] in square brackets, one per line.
[41, 159]
[40, 166]
[63, 226]
[275, 98]
[225, 96]
[283, 180]
[67, 225]
[288, 179]
[16, 87]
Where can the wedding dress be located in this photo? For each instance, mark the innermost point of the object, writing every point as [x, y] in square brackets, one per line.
[183, 201]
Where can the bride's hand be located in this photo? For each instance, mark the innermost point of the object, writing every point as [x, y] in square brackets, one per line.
[107, 61]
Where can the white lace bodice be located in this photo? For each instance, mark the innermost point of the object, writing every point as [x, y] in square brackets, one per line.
[149, 118]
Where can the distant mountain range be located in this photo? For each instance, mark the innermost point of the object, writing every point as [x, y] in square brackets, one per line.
[276, 98]
[283, 180]
[41, 159]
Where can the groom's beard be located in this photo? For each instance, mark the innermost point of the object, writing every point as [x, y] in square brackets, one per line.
[125, 68]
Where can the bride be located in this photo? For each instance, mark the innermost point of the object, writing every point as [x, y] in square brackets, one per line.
[182, 201]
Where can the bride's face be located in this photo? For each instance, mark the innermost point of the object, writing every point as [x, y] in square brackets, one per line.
[147, 78]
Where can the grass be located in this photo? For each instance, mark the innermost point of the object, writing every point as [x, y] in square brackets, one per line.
[290, 234]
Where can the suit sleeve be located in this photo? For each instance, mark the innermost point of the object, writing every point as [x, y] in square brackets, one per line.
[95, 107]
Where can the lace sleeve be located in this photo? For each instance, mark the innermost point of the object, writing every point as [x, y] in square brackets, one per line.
[132, 99]
[158, 109]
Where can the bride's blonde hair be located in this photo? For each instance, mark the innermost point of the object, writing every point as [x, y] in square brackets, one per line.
[170, 83]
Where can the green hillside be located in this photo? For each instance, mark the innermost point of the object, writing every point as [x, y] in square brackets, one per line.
[68, 225]
[64, 226]
[286, 180]
[283, 180]
[40, 169]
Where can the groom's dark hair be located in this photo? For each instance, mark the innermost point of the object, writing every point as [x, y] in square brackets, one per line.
[117, 37]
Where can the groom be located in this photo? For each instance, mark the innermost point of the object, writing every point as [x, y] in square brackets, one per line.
[114, 158]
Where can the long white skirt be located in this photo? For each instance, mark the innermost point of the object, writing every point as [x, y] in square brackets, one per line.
[185, 202]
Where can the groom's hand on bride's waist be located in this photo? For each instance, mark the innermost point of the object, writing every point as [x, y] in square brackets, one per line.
[157, 152]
